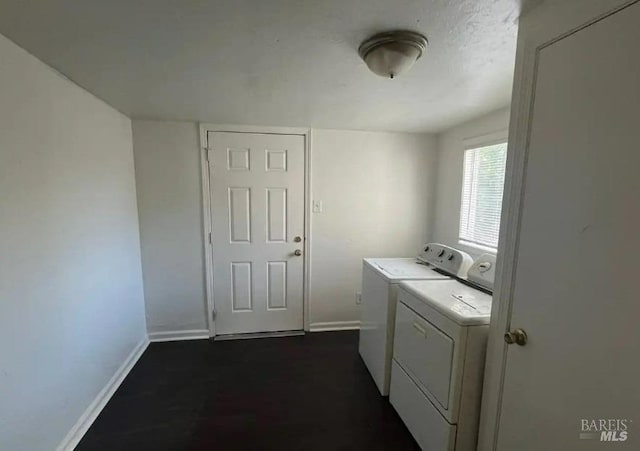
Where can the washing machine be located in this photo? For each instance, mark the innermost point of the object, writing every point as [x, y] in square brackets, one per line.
[439, 351]
[380, 280]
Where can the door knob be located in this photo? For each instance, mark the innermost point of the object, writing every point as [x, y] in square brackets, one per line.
[297, 252]
[517, 336]
[297, 239]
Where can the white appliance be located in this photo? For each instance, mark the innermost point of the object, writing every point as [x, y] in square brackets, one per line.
[380, 279]
[438, 357]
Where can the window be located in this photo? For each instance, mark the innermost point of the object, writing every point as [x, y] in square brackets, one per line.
[482, 186]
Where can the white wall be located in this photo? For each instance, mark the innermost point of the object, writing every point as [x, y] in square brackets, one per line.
[377, 193]
[451, 146]
[71, 307]
[168, 177]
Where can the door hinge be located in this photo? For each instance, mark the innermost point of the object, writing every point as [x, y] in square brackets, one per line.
[213, 315]
[208, 151]
[210, 239]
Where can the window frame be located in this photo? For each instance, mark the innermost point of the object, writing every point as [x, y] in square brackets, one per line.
[476, 142]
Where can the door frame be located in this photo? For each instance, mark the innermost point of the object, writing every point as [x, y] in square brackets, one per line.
[208, 247]
[541, 26]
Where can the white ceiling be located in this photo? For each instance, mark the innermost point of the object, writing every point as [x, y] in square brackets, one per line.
[275, 62]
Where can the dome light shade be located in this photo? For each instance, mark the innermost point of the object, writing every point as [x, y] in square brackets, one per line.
[392, 53]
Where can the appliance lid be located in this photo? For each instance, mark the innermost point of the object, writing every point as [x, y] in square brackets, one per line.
[403, 268]
[461, 303]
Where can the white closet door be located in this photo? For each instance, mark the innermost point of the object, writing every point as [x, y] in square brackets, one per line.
[575, 290]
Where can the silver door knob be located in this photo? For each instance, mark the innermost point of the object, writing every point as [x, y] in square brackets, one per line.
[297, 239]
[297, 252]
[517, 336]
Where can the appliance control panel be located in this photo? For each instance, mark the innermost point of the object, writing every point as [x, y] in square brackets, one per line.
[448, 259]
[483, 271]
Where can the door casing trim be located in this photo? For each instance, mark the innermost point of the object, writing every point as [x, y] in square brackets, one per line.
[205, 128]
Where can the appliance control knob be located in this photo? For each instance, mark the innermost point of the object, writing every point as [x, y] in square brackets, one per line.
[451, 257]
[426, 249]
[441, 253]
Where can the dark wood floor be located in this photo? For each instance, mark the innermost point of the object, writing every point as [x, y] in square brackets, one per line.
[298, 393]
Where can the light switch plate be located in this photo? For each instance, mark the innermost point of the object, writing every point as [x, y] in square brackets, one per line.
[317, 206]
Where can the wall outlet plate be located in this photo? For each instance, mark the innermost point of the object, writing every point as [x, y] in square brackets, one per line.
[317, 206]
[358, 298]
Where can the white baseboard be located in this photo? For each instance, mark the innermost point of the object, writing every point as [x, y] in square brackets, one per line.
[177, 335]
[334, 325]
[91, 413]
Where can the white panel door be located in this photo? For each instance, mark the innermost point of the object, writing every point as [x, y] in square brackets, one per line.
[575, 290]
[257, 214]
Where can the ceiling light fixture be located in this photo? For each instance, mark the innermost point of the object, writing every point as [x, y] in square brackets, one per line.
[392, 53]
